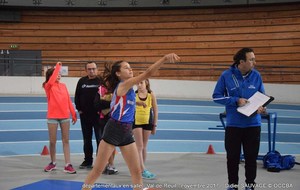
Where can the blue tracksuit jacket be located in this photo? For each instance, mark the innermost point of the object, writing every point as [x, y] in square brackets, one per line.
[230, 87]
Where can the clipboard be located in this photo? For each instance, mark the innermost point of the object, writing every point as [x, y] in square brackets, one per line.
[258, 99]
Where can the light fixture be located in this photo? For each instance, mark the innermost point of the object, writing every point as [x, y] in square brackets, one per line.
[196, 1]
[133, 2]
[165, 2]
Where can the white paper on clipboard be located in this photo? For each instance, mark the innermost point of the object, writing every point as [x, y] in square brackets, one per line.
[258, 99]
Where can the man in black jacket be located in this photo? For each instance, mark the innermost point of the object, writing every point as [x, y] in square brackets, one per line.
[87, 88]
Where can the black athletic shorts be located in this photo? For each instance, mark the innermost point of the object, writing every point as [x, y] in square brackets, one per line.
[147, 127]
[118, 133]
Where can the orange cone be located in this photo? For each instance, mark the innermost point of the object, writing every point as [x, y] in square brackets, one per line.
[210, 150]
[45, 151]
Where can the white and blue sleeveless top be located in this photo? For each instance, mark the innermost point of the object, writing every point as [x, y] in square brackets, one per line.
[123, 107]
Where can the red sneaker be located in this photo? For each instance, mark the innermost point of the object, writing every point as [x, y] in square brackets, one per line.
[69, 169]
[50, 167]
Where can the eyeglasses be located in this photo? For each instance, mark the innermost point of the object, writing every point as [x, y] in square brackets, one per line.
[252, 60]
[90, 69]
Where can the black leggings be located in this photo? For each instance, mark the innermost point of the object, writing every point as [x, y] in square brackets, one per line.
[235, 139]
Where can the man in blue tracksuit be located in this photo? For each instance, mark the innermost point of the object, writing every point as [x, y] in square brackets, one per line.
[233, 88]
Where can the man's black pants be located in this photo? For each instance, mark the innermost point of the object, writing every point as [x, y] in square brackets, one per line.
[248, 139]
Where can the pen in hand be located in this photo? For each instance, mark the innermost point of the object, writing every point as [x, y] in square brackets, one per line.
[242, 101]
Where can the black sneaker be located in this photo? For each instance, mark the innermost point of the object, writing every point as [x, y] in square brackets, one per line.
[85, 164]
[249, 188]
[110, 170]
[233, 187]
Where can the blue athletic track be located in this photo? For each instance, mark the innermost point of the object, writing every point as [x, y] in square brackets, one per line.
[183, 126]
[66, 185]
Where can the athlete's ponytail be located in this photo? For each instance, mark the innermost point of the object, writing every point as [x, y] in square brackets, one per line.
[110, 77]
